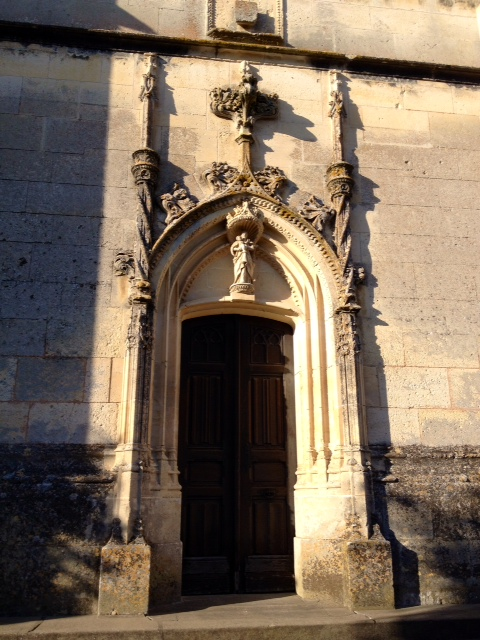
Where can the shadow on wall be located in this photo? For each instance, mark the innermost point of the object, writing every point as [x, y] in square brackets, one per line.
[66, 212]
[53, 498]
[405, 560]
[426, 499]
[82, 14]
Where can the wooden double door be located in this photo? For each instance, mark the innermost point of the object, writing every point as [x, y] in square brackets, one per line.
[237, 529]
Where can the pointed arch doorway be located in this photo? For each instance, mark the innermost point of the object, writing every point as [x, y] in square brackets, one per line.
[234, 453]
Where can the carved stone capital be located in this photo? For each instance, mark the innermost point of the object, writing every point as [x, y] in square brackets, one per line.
[146, 165]
[339, 180]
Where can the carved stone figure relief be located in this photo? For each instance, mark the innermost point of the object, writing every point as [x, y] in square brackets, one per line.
[176, 203]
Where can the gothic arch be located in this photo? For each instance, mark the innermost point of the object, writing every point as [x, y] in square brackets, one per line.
[307, 279]
[301, 260]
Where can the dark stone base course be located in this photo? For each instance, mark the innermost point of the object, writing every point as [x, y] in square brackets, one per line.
[53, 525]
[427, 503]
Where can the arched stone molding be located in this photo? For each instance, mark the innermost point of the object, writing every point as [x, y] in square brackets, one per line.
[331, 490]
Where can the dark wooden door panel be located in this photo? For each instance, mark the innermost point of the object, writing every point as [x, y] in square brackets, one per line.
[236, 520]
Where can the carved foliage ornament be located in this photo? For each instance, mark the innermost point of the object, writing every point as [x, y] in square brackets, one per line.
[176, 203]
[221, 177]
[243, 104]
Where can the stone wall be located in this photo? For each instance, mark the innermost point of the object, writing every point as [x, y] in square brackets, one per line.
[70, 119]
[410, 30]
[68, 124]
[54, 505]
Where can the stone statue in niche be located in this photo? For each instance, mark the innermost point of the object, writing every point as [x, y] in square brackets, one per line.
[243, 251]
[244, 228]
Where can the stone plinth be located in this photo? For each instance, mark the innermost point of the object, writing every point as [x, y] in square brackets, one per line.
[368, 574]
[124, 579]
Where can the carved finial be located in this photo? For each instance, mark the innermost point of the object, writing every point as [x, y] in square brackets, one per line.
[317, 213]
[244, 105]
[116, 535]
[271, 179]
[147, 95]
[138, 537]
[220, 176]
[337, 112]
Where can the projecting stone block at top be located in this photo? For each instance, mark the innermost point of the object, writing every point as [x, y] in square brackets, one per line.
[246, 13]
[242, 20]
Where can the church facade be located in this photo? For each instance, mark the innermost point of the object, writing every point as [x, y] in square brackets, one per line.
[240, 303]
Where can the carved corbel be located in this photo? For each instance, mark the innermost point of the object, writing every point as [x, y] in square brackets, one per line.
[124, 264]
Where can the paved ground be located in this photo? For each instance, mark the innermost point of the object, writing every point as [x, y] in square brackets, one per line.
[276, 617]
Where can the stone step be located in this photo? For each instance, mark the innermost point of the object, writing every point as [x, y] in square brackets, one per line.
[279, 617]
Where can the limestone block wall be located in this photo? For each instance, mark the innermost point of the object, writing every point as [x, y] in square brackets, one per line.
[70, 119]
[69, 122]
[416, 226]
[408, 30]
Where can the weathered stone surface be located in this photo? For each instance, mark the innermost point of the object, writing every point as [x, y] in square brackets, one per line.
[124, 579]
[464, 385]
[51, 380]
[71, 422]
[22, 337]
[368, 574]
[23, 132]
[414, 387]
[8, 368]
[54, 502]
[429, 514]
[13, 421]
